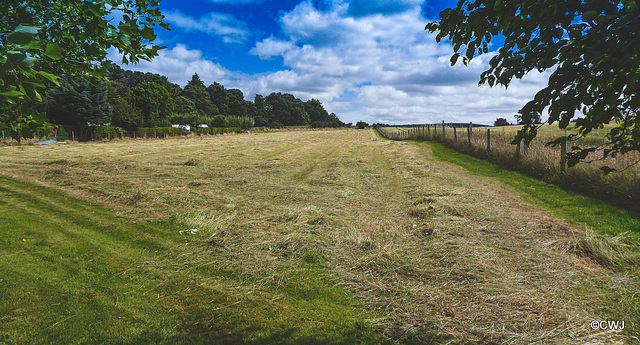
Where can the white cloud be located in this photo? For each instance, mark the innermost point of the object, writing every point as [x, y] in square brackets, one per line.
[271, 47]
[382, 68]
[179, 64]
[226, 26]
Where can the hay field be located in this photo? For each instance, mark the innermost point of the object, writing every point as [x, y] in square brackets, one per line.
[432, 252]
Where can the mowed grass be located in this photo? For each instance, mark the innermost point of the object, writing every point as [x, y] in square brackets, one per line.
[72, 272]
[302, 237]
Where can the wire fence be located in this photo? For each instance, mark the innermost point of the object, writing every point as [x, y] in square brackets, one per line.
[498, 142]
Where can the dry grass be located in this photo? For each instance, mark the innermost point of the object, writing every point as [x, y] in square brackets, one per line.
[441, 255]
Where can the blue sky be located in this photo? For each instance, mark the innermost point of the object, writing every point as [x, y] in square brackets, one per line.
[364, 60]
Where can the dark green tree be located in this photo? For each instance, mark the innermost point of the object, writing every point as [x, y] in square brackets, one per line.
[125, 115]
[236, 103]
[42, 40]
[153, 100]
[501, 121]
[591, 47]
[261, 116]
[361, 125]
[78, 103]
[184, 105]
[197, 93]
[219, 97]
[286, 109]
[316, 111]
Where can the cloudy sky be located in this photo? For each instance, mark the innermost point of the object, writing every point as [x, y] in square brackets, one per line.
[368, 60]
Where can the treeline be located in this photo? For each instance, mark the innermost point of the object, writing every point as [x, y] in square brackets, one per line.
[132, 100]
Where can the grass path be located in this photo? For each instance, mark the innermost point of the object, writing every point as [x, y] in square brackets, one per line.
[303, 237]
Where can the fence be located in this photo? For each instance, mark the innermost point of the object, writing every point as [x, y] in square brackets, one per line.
[111, 133]
[495, 143]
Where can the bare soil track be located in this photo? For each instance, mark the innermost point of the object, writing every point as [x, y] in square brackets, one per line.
[440, 255]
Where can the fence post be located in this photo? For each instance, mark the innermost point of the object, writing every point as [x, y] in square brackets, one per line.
[526, 147]
[2, 135]
[563, 154]
[470, 132]
[518, 145]
[444, 135]
[455, 135]
[488, 141]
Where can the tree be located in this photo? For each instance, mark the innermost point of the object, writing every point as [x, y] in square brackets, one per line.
[153, 100]
[316, 111]
[197, 93]
[261, 116]
[286, 109]
[237, 104]
[591, 47]
[42, 40]
[78, 103]
[219, 97]
[501, 121]
[126, 115]
[361, 125]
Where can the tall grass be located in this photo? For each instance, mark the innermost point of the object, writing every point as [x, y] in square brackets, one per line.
[539, 160]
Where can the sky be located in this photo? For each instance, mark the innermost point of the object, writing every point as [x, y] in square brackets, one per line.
[365, 60]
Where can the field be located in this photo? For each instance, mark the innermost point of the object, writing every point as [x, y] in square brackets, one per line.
[333, 237]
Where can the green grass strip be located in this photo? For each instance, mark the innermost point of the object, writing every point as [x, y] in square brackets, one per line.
[72, 272]
[575, 208]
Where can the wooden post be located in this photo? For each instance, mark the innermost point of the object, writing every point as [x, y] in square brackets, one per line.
[2, 135]
[488, 141]
[455, 135]
[444, 135]
[563, 156]
[470, 131]
[518, 146]
[526, 147]
[73, 135]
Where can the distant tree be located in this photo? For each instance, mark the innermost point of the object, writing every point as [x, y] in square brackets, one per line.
[286, 109]
[197, 93]
[236, 103]
[219, 121]
[334, 121]
[501, 122]
[184, 105]
[316, 111]
[78, 103]
[261, 116]
[153, 100]
[361, 125]
[219, 97]
[125, 115]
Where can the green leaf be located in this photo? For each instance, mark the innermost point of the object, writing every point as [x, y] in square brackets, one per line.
[12, 93]
[53, 51]
[28, 62]
[52, 78]
[454, 59]
[23, 34]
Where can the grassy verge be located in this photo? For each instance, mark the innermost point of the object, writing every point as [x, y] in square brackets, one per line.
[576, 208]
[72, 272]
